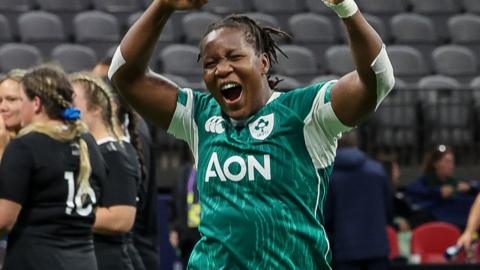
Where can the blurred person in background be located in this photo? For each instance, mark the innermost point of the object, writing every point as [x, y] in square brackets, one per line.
[145, 229]
[50, 177]
[470, 234]
[185, 217]
[10, 103]
[438, 192]
[358, 209]
[10, 124]
[402, 210]
[115, 214]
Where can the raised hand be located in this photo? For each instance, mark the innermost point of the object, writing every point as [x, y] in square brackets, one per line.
[183, 4]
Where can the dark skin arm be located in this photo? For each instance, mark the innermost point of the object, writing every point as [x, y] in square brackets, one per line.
[152, 95]
[354, 96]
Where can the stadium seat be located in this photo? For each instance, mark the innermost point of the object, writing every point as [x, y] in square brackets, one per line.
[314, 32]
[225, 7]
[324, 78]
[408, 63]
[471, 6]
[393, 241]
[282, 9]
[267, 20]
[397, 120]
[73, 57]
[315, 7]
[98, 30]
[286, 84]
[439, 11]
[339, 60]
[475, 85]
[121, 9]
[18, 55]
[300, 64]
[464, 30]
[264, 19]
[447, 109]
[382, 9]
[170, 35]
[42, 29]
[66, 10]
[431, 239]
[5, 30]
[456, 61]
[414, 30]
[377, 24]
[11, 9]
[195, 24]
[181, 60]
[431, 86]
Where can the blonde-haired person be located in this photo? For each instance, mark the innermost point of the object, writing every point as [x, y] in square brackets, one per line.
[117, 208]
[10, 103]
[49, 179]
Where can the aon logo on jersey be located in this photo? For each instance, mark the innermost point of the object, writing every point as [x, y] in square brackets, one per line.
[247, 168]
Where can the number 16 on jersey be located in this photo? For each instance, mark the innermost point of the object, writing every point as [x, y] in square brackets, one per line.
[76, 202]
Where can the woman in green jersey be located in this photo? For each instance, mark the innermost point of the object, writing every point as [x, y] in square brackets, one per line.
[263, 158]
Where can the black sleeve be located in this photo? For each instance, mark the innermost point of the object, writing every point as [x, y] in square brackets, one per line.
[15, 172]
[120, 187]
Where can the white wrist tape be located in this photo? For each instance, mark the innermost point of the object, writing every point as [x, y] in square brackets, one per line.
[117, 62]
[384, 72]
[345, 9]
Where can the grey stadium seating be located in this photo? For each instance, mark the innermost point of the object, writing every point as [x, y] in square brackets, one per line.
[300, 64]
[315, 32]
[98, 30]
[74, 57]
[195, 24]
[42, 29]
[17, 55]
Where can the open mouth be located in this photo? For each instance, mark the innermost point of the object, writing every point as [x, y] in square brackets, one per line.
[231, 92]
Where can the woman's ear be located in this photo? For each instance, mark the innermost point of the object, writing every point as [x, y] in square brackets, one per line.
[37, 104]
[265, 63]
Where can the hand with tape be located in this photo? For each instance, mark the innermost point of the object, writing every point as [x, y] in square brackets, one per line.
[343, 8]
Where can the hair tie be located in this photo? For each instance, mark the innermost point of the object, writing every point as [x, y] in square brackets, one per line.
[71, 114]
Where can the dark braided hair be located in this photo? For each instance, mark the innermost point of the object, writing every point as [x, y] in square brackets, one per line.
[260, 37]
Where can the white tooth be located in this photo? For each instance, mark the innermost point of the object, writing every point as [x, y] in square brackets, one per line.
[228, 86]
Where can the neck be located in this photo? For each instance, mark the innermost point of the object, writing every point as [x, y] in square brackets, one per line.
[44, 119]
[98, 129]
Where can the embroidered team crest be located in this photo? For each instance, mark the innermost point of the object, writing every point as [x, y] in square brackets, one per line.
[262, 127]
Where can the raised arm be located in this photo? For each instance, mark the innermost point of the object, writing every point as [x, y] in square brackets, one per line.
[152, 95]
[358, 93]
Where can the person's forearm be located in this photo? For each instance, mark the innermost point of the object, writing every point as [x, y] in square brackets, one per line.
[139, 43]
[474, 216]
[365, 45]
[114, 220]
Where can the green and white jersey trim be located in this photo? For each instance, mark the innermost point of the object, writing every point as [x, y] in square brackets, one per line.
[183, 125]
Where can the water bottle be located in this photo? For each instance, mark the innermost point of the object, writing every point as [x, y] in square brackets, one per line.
[452, 252]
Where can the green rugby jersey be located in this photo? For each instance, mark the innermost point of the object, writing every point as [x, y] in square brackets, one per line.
[262, 183]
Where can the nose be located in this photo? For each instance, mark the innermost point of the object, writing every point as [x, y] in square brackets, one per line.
[3, 106]
[223, 69]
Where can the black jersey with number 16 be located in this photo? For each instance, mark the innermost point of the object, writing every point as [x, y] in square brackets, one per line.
[54, 227]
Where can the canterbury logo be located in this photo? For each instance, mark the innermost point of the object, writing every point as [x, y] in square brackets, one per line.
[215, 125]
